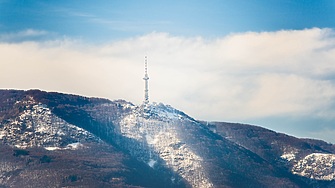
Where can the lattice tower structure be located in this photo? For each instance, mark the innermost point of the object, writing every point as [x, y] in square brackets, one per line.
[146, 83]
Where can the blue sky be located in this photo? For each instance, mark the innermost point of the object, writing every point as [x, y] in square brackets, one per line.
[268, 63]
[113, 20]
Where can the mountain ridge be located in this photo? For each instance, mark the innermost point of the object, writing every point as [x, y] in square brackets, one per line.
[180, 150]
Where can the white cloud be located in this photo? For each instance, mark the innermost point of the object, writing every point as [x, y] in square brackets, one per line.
[242, 75]
[22, 35]
[31, 32]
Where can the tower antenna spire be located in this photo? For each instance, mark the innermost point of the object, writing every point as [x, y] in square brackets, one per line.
[146, 78]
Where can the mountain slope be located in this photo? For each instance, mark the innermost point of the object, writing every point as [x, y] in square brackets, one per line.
[133, 142]
[50, 152]
[309, 158]
[202, 158]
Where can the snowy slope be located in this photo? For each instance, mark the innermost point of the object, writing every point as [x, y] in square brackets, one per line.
[318, 166]
[179, 149]
[309, 159]
[160, 135]
[37, 126]
[158, 142]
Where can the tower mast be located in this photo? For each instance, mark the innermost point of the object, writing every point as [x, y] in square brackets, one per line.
[146, 78]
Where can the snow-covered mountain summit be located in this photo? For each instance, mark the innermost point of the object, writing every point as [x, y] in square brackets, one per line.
[151, 134]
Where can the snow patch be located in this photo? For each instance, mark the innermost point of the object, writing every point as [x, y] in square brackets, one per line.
[288, 156]
[72, 146]
[318, 166]
[151, 140]
[129, 106]
[151, 163]
[52, 148]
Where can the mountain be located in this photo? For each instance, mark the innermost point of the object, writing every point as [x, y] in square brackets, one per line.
[311, 159]
[50, 139]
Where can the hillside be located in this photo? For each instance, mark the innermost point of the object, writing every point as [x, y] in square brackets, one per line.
[79, 141]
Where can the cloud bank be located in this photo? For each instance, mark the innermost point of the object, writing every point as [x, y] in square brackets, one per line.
[240, 76]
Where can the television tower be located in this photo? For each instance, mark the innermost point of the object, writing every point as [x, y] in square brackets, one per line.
[146, 78]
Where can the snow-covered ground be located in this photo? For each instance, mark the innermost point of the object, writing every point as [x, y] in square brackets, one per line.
[289, 153]
[38, 126]
[288, 156]
[153, 139]
[149, 133]
[318, 166]
[72, 146]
